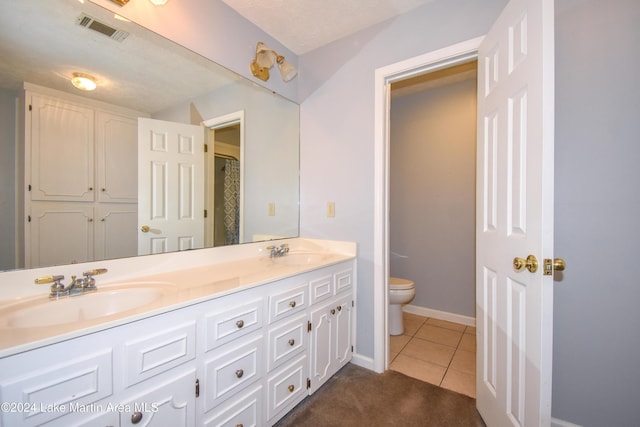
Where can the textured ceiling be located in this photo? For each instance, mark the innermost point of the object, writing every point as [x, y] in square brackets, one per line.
[304, 25]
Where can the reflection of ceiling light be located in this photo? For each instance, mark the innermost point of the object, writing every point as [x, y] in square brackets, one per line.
[83, 81]
[159, 2]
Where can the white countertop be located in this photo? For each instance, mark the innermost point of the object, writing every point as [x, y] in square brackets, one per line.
[181, 288]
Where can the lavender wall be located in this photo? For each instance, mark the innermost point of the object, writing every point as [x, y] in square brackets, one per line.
[432, 195]
[596, 372]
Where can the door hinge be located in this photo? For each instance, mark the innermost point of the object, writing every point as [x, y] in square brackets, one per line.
[28, 218]
[206, 148]
[352, 304]
[308, 383]
[308, 326]
[197, 387]
[205, 213]
[30, 107]
[351, 349]
[29, 187]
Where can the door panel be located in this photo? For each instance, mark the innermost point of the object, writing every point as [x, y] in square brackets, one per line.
[515, 216]
[170, 186]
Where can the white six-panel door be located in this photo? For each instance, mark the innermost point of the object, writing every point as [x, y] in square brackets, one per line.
[170, 186]
[515, 216]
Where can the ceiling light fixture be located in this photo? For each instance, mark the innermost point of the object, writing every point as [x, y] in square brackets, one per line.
[265, 59]
[83, 81]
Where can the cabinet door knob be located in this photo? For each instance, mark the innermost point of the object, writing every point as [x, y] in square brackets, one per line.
[136, 417]
[240, 323]
[291, 388]
[239, 373]
[339, 308]
[333, 311]
[292, 342]
[292, 304]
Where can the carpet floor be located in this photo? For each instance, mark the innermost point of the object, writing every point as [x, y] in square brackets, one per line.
[358, 397]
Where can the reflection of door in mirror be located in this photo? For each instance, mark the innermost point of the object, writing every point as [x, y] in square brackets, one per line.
[170, 185]
[224, 184]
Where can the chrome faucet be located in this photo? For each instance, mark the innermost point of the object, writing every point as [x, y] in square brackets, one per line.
[78, 286]
[277, 251]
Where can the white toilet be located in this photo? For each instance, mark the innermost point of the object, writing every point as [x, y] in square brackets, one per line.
[401, 291]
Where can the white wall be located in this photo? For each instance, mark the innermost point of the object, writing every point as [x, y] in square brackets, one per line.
[337, 125]
[596, 370]
[432, 195]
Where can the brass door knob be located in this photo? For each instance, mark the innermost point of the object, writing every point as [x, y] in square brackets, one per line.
[145, 229]
[531, 264]
[559, 264]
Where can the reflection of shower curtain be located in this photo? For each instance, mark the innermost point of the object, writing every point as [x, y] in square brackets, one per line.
[231, 201]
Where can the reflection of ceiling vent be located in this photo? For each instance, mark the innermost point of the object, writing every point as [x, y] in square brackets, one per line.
[95, 25]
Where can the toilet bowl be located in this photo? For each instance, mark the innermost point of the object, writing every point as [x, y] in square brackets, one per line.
[401, 291]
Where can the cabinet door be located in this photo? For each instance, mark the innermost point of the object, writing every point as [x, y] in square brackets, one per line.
[115, 231]
[60, 233]
[171, 403]
[117, 157]
[322, 345]
[343, 319]
[60, 164]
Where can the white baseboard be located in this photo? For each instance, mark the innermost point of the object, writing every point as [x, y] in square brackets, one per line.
[559, 423]
[363, 361]
[441, 315]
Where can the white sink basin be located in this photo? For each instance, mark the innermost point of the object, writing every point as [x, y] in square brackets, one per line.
[300, 258]
[42, 312]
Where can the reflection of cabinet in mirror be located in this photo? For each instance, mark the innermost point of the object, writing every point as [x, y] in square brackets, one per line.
[81, 175]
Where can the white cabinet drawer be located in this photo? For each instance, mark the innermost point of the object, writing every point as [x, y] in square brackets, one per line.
[48, 393]
[157, 353]
[288, 302]
[287, 387]
[232, 371]
[321, 288]
[287, 340]
[344, 280]
[244, 410]
[230, 324]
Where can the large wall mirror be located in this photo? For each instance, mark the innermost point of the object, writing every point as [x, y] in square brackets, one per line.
[67, 198]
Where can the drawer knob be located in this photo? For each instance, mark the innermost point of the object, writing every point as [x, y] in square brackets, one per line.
[292, 342]
[339, 308]
[136, 417]
[333, 311]
[292, 304]
[239, 373]
[240, 323]
[239, 425]
[291, 388]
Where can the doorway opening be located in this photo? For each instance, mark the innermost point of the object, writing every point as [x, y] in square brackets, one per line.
[432, 186]
[224, 187]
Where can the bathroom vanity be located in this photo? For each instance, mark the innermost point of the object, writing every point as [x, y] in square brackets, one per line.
[236, 342]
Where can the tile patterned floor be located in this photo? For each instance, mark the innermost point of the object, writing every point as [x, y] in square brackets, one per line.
[436, 351]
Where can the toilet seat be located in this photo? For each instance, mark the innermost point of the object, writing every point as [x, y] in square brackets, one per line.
[396, 283]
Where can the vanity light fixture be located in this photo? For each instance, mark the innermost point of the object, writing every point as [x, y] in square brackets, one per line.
[265, 59]
[120, 2]
[83, 81]
[159, 2]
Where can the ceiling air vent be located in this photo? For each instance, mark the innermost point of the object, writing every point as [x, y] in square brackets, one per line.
[102, 28]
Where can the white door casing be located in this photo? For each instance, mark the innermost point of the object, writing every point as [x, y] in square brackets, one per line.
[515, 216]
[170, 186]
